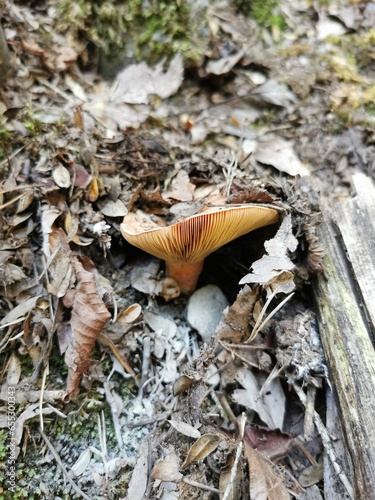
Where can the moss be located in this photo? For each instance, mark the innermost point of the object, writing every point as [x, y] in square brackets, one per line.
[295, 50]
[3, 445]
[33, 125]
[359, 47]
[144, 30]
[264, 12]
[344, 68]
[5, 138]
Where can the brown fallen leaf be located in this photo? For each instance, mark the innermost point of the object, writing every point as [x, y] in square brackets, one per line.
[89, 316]
[183, 383]
[180, 189]
[227, 481]
[203, 447]
[234, 324]
[166, 469]
[264, 484]
[273, 444]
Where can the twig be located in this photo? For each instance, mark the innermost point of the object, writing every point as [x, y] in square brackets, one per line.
[201, 486]
[326, 443]
[226, 407]
[236, 460]
[236, 355]
[102, 436]
[62, 467]
[308, 427]
[104, 337]
[149, 421]
[42, 389]
[115, 310]
[145, 361]
[274, 374]
[10, 157]
[242, 346]
[115, 417]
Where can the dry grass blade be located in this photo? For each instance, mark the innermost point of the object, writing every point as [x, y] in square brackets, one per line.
[62, 467]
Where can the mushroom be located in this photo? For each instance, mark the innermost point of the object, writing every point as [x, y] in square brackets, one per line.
[184, 245]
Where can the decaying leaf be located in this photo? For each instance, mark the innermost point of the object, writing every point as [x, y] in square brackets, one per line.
[60, 264]
[275, 261]
[225, 64]
[264, 484]
[49, 215]
[185, 429]
[311, 475]
[137, 82]
[114, 208]
[273, 92]
[138, 481]
[183, 383]
[273, 444]
[181, 189]
[127, 103]
[89, 316]
[61, 176]
[31, 411]
[275, 151]
[130, 314]
[13, 370]
[234, 324]
[226, 477]
[203, 447]
[81, 464]
[270, 407]
[167, 468]
[20, 310]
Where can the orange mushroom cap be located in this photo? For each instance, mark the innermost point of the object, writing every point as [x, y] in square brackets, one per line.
[190, 241]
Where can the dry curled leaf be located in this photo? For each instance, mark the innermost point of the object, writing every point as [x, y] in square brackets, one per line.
[130, 314]
[89, 316]
[183, 383]
[203, 447]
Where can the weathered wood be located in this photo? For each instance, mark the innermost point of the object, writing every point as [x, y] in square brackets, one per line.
[356, 220]
[345, 302]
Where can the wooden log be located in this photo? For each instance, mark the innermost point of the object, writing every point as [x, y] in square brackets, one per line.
[345, 297]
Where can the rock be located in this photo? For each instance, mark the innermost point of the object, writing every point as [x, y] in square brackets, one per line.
[204, 310]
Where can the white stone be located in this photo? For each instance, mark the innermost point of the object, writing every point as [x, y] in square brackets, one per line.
[204, 310]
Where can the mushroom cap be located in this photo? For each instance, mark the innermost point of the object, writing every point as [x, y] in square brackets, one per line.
[194, 238]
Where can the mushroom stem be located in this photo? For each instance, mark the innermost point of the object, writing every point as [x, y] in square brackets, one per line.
[185, 273]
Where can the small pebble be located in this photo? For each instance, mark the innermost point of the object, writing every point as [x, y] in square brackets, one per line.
[204, 310]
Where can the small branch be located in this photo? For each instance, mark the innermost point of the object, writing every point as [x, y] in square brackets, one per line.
[62, 467]
[201, 486]
[326, 443]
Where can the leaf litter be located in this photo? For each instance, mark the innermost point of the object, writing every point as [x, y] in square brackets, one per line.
[140, 381]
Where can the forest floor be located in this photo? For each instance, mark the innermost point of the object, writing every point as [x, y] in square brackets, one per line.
[110, 387]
